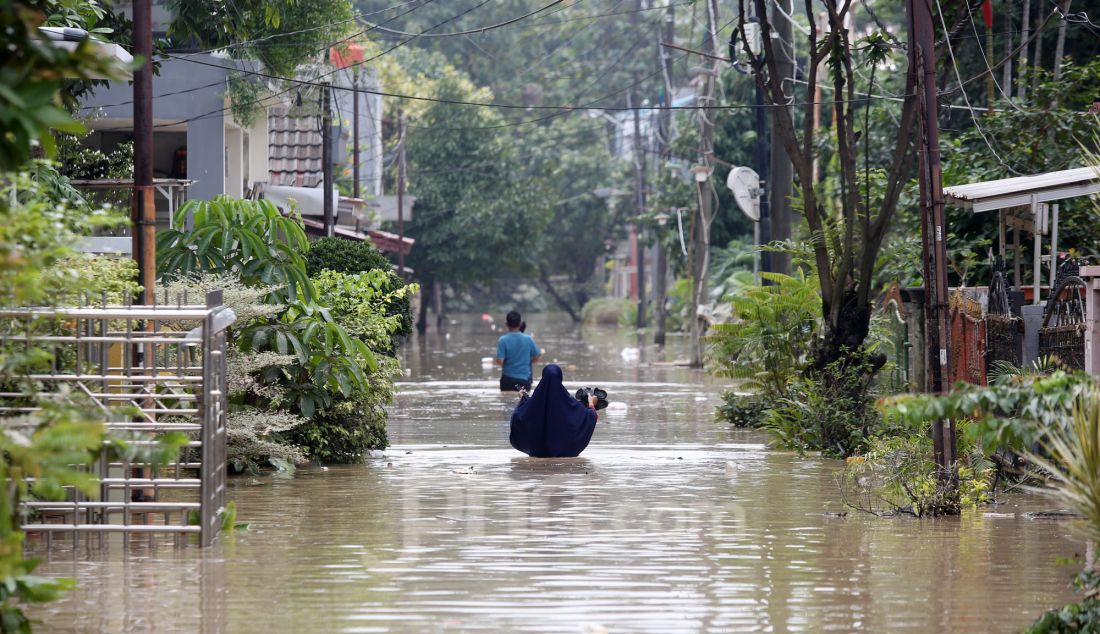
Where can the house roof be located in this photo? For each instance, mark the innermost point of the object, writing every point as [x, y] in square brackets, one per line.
[385, 241]
[294, 149]
[1015, 192]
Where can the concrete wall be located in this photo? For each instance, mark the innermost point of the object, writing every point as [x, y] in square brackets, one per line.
[182, 91]
[370, 132]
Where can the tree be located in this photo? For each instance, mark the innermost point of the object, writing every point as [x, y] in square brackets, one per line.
[584, 213]
[475, 215]
[292, 33]
[848, 231]
[32, 72]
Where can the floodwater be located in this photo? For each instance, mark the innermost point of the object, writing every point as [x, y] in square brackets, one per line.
[668, 523]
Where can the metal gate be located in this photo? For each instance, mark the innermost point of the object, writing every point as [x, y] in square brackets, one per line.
[1004, 332]
[1063, 332]
[967, 340]
[164, 367]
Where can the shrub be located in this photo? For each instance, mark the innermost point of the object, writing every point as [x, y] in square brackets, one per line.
[344, 256]
[740, 409]
[350, 257]
[606, 311]
[773, 328]
[830, 411]
[250, 443]
[364, 304]
[250, 238]
[898, 474]
[350, 427]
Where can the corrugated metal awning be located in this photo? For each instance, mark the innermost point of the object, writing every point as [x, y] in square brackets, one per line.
[1025, 190]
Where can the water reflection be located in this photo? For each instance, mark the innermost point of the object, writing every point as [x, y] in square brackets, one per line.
[667, 523]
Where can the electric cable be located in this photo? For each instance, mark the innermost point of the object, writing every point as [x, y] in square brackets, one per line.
[966, 99]
[482, 29]
[221, 81]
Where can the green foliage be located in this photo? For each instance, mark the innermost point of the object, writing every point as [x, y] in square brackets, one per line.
[328, 360]
[296, 359]
[31, 74]
[473, 217]
[898, 474]
[344, 256]
[1082, 617]
[247, 237]
[293, 30]
[352, 257]
[1015, 412]
[1071, 459]
[774, 325]
[344, 432]
[99, 275]
[606, 311]
[368, 305]
[253, 439]
[741, 409]
[830, 410]
[37, 231]
[574, 173]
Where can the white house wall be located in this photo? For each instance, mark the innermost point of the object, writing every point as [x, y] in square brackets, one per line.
[370, 132]
[182, 91]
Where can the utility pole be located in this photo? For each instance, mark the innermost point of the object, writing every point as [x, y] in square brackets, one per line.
[664, 132]
[764, 225]
[780, 174]
[639, 209]
[355, 132]
[401, 193]
[700, 233]
[326, 159]
[144, 212]
[639, 190]
[922, 61]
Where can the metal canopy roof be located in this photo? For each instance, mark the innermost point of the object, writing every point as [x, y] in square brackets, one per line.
[1025, 190]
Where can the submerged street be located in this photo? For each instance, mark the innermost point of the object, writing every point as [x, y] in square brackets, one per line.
[669, 522]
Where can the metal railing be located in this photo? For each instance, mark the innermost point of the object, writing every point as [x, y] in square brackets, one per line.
[150, 370]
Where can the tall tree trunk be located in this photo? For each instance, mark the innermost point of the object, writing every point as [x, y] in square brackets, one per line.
[1038, 64]
[1006, 78]
[561, 301]
[437, 302]
[422, 312]
[1025, 35]
[660, 294]
[1060, 46]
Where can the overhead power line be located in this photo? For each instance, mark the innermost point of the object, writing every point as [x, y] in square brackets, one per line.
[481, 29]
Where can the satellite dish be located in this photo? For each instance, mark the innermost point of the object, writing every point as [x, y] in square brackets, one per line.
[745, 185]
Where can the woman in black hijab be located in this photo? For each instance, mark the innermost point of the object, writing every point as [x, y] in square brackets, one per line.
[550, 423]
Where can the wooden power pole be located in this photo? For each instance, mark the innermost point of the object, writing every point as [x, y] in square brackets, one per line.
[144, 212]
[922, 61]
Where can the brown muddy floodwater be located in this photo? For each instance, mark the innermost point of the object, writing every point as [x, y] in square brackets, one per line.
[667, 523]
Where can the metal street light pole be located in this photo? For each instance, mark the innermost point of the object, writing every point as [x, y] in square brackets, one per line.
[326, 160]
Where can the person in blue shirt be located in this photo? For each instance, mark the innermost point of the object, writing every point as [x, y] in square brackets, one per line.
[516, 353]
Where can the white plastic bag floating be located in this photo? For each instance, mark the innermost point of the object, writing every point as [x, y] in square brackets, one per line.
[630, 354]
[486, 362]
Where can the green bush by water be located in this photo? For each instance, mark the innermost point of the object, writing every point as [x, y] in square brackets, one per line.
[351, 258]
[608, 311]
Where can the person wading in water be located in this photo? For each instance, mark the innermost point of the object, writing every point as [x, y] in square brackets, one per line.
[516, 352]
[550, 423]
